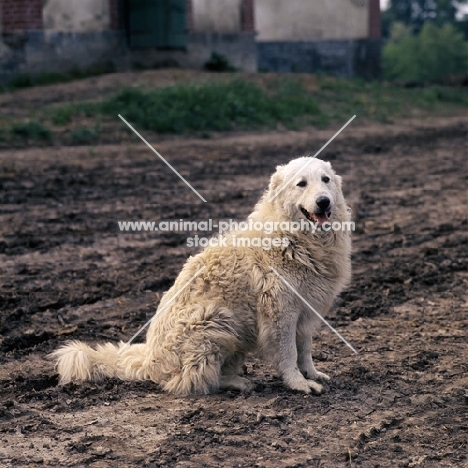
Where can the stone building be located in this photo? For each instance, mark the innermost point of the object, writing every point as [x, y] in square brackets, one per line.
[336, 36]
[340, 37]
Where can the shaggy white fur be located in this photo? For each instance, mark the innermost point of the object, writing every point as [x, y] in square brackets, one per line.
[238, 304]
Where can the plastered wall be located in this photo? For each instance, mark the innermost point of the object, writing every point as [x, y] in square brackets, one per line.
[221, 16]
[76, 15]
[309, 20]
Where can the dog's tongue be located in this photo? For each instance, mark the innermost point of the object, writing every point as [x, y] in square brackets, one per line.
[320, 218]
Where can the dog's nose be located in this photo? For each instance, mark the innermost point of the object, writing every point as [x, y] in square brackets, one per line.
[323, 203]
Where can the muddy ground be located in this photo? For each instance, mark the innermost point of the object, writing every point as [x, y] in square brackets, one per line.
[68, 273]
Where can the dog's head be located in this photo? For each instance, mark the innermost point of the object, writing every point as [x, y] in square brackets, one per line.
[307, 188]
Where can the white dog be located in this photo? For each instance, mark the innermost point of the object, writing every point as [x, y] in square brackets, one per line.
[237, 304]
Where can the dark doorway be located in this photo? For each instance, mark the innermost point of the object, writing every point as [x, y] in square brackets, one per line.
[156, 23]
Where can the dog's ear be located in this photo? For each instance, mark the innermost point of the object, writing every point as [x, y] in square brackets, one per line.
[337, 181]
[276, 179]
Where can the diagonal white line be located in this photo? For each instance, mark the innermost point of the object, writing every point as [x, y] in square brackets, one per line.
[314, 156]
[313, 310]
[161, 309]
[162, 159]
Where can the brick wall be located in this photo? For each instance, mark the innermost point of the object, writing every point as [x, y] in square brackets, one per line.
[21, 14]
[247, 15]
[189, 7]
[114, 11]
[374, 19]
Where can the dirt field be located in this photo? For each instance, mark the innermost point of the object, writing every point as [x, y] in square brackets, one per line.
[68, 273]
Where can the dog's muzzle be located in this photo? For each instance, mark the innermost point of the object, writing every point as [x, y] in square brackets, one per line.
[321, 214]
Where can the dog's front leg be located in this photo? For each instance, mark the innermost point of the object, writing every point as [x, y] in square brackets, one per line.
[304, 333]
[304, 359]
[286, 356]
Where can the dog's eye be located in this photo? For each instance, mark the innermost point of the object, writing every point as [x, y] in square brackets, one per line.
[302, 183]
[326, 179]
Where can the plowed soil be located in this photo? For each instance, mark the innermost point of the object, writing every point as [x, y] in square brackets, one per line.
[67, 272]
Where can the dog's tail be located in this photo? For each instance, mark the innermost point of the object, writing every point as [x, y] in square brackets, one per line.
[76, 361]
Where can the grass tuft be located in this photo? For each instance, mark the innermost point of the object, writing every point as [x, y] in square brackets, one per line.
[31, 130]
[84, 135]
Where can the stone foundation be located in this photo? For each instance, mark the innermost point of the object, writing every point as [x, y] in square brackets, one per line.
[36, 52]
[345, 58]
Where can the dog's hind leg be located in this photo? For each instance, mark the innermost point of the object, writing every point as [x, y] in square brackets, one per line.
[234, 365]
[197, 349]
[231, 374]
[199, 372]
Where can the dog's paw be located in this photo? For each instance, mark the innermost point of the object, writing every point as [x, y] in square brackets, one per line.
[300, 386]
[235, 382]
[246, 386]
[309, 372]
[306, 386]
[315, 387]
[321, 375]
